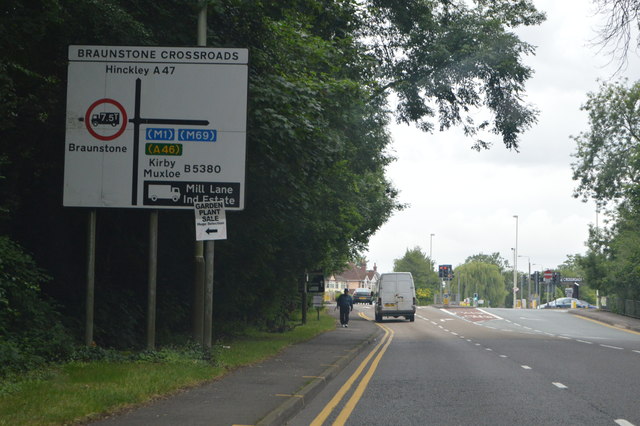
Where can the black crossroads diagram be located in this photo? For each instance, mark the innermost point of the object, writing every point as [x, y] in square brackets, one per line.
[137, 121]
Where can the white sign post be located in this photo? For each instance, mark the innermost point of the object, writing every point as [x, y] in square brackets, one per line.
[211, 221]
[155, 127]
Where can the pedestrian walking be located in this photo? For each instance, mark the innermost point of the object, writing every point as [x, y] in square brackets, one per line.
[345, 304]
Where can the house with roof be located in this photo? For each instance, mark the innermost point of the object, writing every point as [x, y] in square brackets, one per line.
[355, 276]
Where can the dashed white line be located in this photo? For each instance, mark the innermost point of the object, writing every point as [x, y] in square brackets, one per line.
[584, 341]
[638, 352]
[611, 347]
[623, 422]
[526, 367]
[559, 385]
[503, 356]
[488, 349]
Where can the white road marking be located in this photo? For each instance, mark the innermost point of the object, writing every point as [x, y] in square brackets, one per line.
[526, 367]
[623, 422]
[584, 341]
[638, 352]
[559, 385]
[503, 356]
[611, 347]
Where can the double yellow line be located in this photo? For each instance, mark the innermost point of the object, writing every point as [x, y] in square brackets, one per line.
[380, 349]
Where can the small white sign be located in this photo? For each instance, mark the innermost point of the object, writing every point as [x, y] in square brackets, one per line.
[318, 300]
[211, 223]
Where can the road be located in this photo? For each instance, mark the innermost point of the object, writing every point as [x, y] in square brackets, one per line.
[488, 367]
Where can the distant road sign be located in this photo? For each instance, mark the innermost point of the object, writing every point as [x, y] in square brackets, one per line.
[548, 274]
[570, 280]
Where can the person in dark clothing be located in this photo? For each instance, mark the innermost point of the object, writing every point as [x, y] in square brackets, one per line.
[345, 303]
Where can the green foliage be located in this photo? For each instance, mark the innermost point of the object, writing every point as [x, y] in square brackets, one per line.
[484, 279]
[607, 169]
[611, 264]
[607, 165]
[492, 259]
[30, 329]
[421, 267]
[317, 145]
[446, 59]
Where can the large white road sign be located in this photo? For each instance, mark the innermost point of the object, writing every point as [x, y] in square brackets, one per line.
[155, 127]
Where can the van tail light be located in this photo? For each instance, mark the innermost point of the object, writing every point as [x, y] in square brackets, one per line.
[414, 301]
[379, 301]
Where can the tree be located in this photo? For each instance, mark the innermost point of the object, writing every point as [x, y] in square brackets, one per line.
[492, 259]
[420, 266]
[484, 279]
[623, 17]
[449, 58]
[607, 162]
[320, 75]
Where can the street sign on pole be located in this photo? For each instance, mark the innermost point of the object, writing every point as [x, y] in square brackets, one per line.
[210, 220]
[155, 127]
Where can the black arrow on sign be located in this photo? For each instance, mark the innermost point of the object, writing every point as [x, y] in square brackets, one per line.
[209, 231]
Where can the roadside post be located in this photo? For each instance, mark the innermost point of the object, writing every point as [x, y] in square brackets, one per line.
[314, 284]
[132, 143]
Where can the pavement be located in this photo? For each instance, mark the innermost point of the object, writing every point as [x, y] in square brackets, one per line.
[609, 318]
[273, 391]
[268, 393]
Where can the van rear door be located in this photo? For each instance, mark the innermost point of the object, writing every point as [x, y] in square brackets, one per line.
[388, 293]
[404, 291]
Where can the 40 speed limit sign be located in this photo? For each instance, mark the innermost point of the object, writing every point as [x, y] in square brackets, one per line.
[155, 127]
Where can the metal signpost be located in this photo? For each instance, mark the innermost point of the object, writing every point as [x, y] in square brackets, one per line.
[156, 128]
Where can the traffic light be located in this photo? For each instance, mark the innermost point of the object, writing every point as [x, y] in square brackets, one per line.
[445, 272]
[442, 271]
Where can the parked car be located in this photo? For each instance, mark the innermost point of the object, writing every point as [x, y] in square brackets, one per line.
[363, 295]
[566, 302]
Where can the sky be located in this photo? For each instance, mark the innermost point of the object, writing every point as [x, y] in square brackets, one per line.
[468, 199]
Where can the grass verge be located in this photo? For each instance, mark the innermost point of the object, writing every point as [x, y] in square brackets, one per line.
[79, 391]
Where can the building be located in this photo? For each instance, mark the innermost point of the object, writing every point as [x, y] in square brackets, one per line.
[355, 276]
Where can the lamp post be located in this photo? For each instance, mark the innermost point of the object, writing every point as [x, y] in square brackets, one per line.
[515, 265]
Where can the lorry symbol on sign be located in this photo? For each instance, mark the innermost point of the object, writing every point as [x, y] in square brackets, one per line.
[112, 118]
[164, 192]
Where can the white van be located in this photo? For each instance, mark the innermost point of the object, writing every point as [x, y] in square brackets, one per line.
[396, 296]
